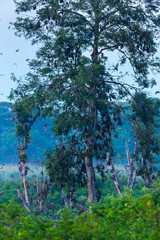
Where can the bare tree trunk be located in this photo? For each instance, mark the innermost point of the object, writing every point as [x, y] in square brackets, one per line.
[66, 200]
[42, 191]
[22, 169]
[21, 149]
[114, 174]
[129, 168]
[23, 201]
[39, 200]
[72, 196]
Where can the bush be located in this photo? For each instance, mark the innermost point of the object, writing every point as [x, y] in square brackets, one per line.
[117, 219]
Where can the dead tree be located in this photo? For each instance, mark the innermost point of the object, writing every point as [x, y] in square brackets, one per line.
[22, 200]
[23, 169]
[130, 167]
[114, 174]
[42, 188]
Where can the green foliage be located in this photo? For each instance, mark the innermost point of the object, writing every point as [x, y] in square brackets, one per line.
[63, 169]
[145, 111]
[117, 218]
[22, 157]
[155, 192]
[8, 190]
[15, 223]
[24, 115]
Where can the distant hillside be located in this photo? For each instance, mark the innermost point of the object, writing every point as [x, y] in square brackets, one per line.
[41, 138]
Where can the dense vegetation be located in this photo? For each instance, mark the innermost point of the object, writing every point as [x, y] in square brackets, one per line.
[92, 108]
[124, 217]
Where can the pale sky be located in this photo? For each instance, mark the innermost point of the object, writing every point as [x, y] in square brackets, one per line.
[15, 62]
[11, 61]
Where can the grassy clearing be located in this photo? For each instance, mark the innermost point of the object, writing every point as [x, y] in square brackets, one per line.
[10, 171]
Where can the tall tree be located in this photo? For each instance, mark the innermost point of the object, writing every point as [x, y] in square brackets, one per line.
[145, 111]
[24, 115]
[72, 75]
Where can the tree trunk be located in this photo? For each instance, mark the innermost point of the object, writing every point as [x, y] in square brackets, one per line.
[64, 198]
[42, 191]
[22, 170]
[24, 202]
[88, 157]
[131, 176]
[146, 180]
[90, 140]
[90, 178]
[72, 196]
[129, 168]
[21, 149]
[114, 174]
[146, 174]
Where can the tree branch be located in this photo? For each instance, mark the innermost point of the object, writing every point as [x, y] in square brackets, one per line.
[22, 200]
[121, 108]
[113, 46]
[123, 85]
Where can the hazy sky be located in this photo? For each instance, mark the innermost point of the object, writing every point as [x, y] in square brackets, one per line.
[12, 61]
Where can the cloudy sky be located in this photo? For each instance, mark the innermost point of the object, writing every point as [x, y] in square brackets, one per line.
[12, 61]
